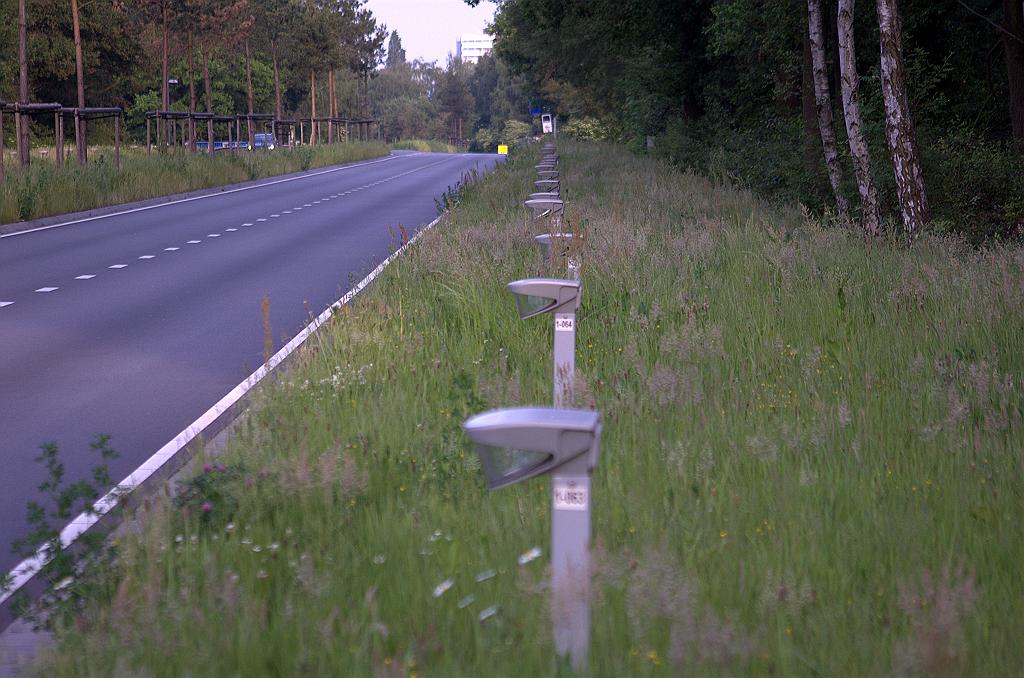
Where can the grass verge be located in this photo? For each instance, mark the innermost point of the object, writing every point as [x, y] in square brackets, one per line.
[424, 146]
[44, 190]
[811, 463]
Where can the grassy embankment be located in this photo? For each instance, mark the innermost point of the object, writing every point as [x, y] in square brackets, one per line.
[45, 190]
[812, 459]
[424, 146]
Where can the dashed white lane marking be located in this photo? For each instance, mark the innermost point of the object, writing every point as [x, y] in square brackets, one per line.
[147, 256]
[85, 277]
[274, 216]
[5, 303]
[247, 224]
[307, 205]
[118, 266]
[286, 212]
[171, 249]
[298, 209]
[193, 242]
[231, 230]
[47, 289]
[261, 219]
[213, 235]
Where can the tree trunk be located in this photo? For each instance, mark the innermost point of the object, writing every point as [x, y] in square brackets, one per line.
[191, 97]
[1013, 21]
[22, 120]
[209, 95]
[899, 127]
[312, 122]
[278, 109]
[823, 103]
[248, 93]
[83, 150]
[165, 94]
[851, 109]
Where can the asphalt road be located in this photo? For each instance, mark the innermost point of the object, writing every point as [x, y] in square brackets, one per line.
[133, 324]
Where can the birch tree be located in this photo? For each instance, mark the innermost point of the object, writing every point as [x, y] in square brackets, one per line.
[823, 103]
[899, 127]
[851, 112]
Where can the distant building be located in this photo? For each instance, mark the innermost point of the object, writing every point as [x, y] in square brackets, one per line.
[470, 47]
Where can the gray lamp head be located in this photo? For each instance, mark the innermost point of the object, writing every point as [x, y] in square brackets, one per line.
[552, 204]
[523, 442]
[546, 240]
[535, 296]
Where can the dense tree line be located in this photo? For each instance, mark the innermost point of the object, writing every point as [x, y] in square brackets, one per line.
[224, 56]
[286, 57]
[915, 108]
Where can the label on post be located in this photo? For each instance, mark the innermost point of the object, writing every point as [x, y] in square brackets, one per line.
[565, 322]
[569, 495]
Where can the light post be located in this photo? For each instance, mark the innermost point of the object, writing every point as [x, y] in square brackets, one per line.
[536, 296]
[524, 442]
[542, 207]
[559, 243]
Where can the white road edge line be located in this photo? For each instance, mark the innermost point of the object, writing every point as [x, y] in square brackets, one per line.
[24, 571]
[203, 197]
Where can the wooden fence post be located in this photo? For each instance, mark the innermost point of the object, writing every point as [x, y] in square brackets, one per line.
[117, 141]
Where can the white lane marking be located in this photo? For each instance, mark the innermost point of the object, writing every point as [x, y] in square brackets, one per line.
[247, 224]
[85, 277]
[231, 230]
[297, 209]
[213, 235]
[193, 242]
[261, 219]
[118, 266]
[210, 195]
[171, 249]
[274, 216]
[286, 212]
[47, 289]
[27, 569]
[307, 205]
[147, 256]
[5, 303]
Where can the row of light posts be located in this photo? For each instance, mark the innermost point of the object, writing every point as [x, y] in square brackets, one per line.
[519, 443]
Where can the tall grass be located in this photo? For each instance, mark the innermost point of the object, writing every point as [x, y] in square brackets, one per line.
[44, 190]
[424, 146]
[812, 460]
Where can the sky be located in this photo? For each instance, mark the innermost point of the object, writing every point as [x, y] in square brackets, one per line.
[429, 28]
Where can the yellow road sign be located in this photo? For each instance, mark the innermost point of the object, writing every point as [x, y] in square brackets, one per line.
[502, 149]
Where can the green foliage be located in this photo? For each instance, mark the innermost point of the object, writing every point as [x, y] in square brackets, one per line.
[68, 585]
[976, 186]
[514, 132]
[590, 129]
